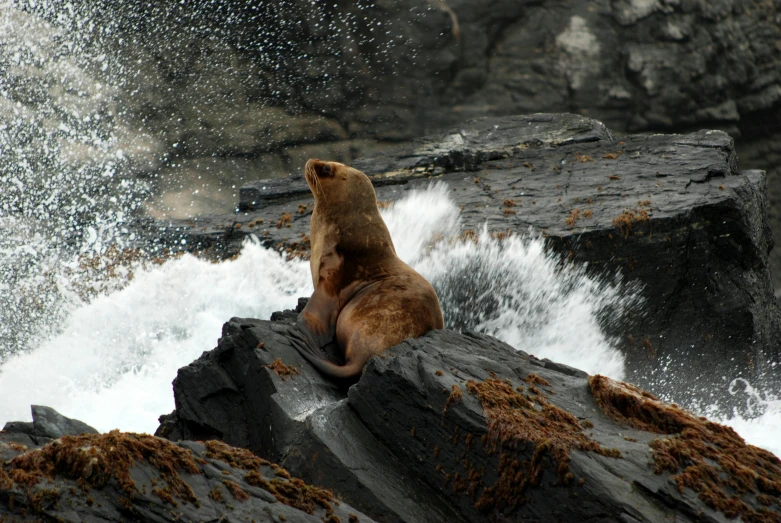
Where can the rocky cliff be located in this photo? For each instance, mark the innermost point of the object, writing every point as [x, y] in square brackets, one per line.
[228, 92]
[462, 427]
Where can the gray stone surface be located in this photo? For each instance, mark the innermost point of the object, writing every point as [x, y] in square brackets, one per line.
[395, 445]
[226, 80]
[48, 424]
[301, 421]
[697, 237]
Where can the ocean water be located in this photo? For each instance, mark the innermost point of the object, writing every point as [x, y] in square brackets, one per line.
[101, 341]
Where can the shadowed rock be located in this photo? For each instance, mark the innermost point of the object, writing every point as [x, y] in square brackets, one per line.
[462, 427]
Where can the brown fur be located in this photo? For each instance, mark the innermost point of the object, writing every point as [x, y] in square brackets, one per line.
[364, 294]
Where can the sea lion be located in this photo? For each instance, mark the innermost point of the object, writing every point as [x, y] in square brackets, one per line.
[365, 298]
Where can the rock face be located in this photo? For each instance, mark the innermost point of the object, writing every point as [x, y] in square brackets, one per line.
[673, 213]
[462, 427]
[136, 477]
[223, 93]
[48, 424]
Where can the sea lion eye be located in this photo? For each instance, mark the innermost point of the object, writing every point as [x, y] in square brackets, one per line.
[327, 170]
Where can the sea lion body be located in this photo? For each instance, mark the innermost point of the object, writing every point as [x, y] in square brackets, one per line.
[365, 297]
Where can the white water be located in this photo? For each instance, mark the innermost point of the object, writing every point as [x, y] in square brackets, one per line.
[114, 361]
[113, 364]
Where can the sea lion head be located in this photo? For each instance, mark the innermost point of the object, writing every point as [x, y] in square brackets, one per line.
[334, 182]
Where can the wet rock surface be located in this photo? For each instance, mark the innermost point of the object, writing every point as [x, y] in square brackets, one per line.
[136, 477]
[673, 213]
[462, 427]
[48, 424]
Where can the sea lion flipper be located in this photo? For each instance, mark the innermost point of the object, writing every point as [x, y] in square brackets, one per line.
[303, 342]
[309, 349]
[318, 319]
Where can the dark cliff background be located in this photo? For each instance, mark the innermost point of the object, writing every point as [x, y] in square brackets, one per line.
[228, 92]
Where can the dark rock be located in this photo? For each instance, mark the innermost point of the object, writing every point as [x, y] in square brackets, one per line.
[637, 66]
[250, 393]
[226, 82]
[20, 427]
[137, 477]
[49, 423]
[673, 212]
[414, 440]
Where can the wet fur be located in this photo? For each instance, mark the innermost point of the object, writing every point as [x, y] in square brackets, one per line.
[365, 297]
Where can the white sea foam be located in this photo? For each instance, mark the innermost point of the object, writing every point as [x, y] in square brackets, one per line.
[511, 289]
[763, 431]
[113, 363]
[762, 427]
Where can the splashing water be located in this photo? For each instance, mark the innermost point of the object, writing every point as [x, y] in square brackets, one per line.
[763, 424]
[113, 363]
[60, 162]
[511, 289]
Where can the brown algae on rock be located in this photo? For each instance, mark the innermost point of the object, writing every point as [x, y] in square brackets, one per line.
[706, 457]
[513, 423]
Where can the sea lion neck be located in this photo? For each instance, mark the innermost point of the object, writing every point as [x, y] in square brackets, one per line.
[360, 230]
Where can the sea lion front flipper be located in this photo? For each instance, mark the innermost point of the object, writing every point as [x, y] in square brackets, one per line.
[318, 319]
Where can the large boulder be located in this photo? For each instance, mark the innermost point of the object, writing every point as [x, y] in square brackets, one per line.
[673, 213]
[462, 427]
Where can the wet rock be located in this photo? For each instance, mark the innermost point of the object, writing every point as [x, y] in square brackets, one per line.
[122, 476]
[462, 427]
[48, 424]
[254, 391]
[673, 213]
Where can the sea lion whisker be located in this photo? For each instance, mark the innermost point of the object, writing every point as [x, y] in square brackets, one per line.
[311, 175]
[320, 186]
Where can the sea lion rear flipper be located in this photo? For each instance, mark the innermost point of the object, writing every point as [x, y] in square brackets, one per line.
[316, 326]
[303, 342]
[308, 348]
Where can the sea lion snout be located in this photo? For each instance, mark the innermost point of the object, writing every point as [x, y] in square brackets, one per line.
[319, 168]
